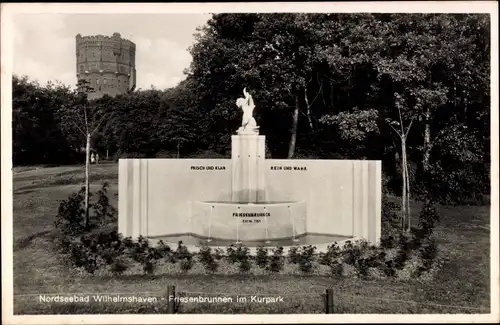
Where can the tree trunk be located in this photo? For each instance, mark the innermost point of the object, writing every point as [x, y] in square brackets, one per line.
[295, 122]
[87, 190]
[308, 110]
[427, 141]
[407, 175]
[403, 173]
[107, 153]
[178, 147]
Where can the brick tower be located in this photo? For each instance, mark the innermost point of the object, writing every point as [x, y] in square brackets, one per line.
[107, 63]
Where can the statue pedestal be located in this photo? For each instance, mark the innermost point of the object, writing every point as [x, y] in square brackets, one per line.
[247, 155]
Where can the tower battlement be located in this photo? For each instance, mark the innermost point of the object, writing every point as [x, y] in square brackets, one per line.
[102, 40]
[107, 63]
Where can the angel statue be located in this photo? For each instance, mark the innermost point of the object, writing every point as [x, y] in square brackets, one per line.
[248, 123]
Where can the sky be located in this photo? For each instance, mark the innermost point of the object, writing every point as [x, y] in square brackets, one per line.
[44, 44]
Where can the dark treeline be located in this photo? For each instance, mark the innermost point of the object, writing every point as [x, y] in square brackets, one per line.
[407, 89]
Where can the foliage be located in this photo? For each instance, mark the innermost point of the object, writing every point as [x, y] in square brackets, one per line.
[350, 253]
[242, 253]
[245, 266]
[182, 253]
[119, 266]
[231, 254]
[276, 260]
[71, 215]
[293, 255]
[218, 254]
[427, 220]
[206, 258]
[404, 250]
[261, 258]
[103, 210]
[391, 224]
[187, 264]
[37, 134]
[336, 268]
[331, 255]
[306, 258]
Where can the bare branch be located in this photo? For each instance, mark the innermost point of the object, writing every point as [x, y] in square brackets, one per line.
[319, 91]
[409, 127]
[401, 120]
[79, 129]
[98, 124]
[80, 119]
[86, 120]
[397, 132]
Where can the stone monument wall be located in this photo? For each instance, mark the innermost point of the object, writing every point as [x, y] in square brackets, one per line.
[159, 197]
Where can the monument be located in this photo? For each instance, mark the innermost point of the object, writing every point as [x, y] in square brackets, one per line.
[249, 199]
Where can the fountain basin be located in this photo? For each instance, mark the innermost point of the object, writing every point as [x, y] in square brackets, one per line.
[194, 242]
[257, 222]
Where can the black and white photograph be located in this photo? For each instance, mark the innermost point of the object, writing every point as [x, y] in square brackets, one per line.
[234, 163]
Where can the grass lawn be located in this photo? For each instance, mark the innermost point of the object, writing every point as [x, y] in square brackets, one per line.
[464, 280]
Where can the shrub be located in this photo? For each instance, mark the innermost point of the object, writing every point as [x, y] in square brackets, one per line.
[163, 249]
[336, 268]
[218, 254]
[427, 220]
[362, 244]
[231, 254]
[182, 252]
[390, 224]
[128, 242]
[388, 268]
[70, 219]
[276, 260]
[205, 255]
[333, 251]
[104, 212]
[186, 265]
[362, 267]
[119, 266]
[88, 252]
[404, 250]
[144, 254]
[185, 257]
[377, 258]
[207, 259]
[245, 266]
[293, 255]
[242, 253]
[428, 253]
[261, 258]
[306, 258]
[149, 266]
[350, 253]
[137, 251]
[78, 256]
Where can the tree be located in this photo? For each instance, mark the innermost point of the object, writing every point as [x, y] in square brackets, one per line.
[37, 136]
[78, 117]
[402, 131]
